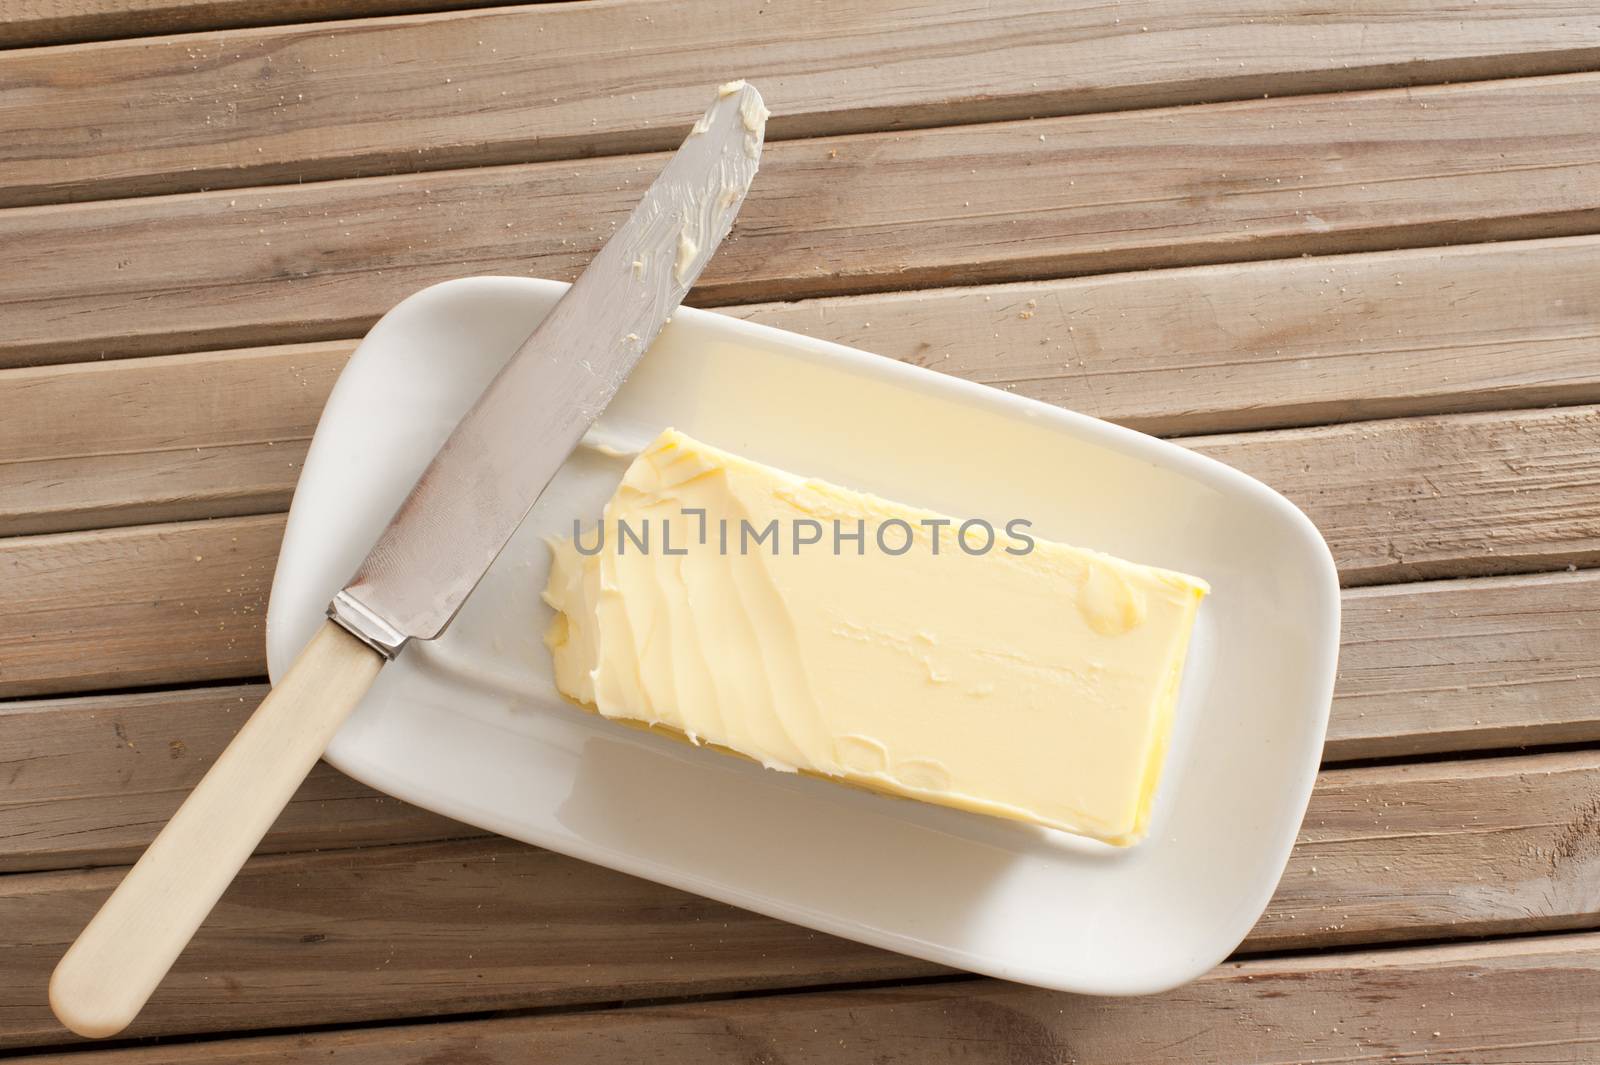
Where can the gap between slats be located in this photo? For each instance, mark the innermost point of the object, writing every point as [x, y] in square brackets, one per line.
[36, 23]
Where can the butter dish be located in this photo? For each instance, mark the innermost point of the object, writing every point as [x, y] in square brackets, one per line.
[471, 726]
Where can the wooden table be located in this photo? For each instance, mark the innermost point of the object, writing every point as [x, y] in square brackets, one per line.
[1352, 254]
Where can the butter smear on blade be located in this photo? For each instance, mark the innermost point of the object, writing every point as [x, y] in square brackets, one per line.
[1030, 680]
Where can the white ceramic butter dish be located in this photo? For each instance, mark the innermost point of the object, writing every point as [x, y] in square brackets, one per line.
[471, 725]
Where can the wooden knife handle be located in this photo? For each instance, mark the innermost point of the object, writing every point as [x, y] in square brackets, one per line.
[105, 978]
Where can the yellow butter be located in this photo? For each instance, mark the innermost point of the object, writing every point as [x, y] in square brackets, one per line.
[1033, 684]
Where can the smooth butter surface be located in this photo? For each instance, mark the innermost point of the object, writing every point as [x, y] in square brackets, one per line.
[1036, 686]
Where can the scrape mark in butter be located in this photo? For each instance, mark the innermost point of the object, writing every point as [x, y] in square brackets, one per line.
[1109, 603]
[923, 774]
[861, 754]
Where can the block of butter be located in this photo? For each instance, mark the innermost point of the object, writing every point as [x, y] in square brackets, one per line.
[815, 628]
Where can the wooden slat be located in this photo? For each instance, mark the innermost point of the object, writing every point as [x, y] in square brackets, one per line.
[1459, 495]
[89, 781]
[1250, 180]
[37, 22]
[1256, 345]
[1442, 849]
[392, 932]
[1500, 1003]
[499, 86]
[1242, 346]
[1482, 664]
[94, 445]
[1448, 849]
[123, 608]
[1457, 666]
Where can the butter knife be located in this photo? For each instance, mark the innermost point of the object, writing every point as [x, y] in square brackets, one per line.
[455, 521]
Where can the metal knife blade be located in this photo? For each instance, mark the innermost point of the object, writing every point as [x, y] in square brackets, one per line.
[491, 470]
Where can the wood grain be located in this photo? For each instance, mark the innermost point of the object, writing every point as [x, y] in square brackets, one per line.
[1481, 664]
[900, 173]
[416, 931]
[123, 608]
[1251, 180]
[1442, 849]
[89, 780]
[1438, 850]
[521, 85]
[101, 444]
[1242, 346]
[1500, 1003]
[36, 22]
[1459, 495]
[1256, 345]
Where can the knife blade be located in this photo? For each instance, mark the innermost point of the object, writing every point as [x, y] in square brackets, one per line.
[468, 502]
[490, 471]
